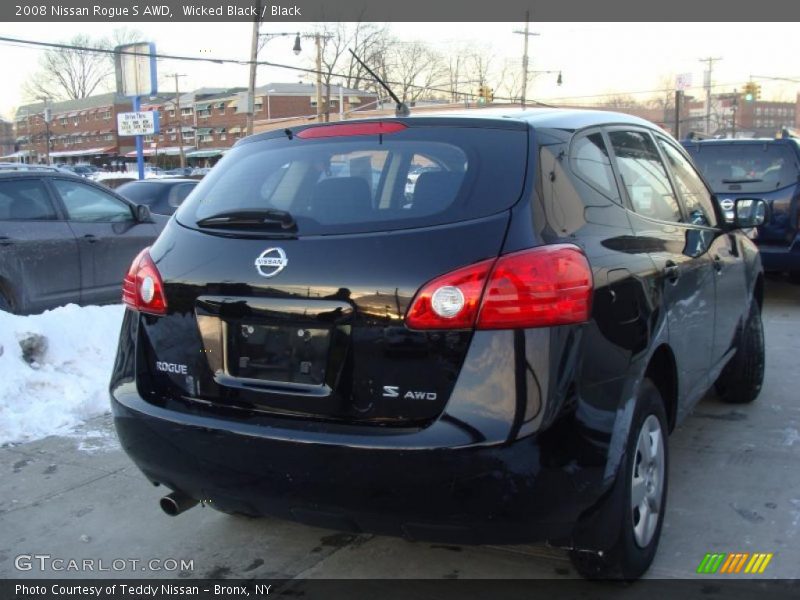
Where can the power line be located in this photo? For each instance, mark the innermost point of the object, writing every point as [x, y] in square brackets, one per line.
[221, 61]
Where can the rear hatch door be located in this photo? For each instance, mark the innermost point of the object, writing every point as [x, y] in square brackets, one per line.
[289, 270]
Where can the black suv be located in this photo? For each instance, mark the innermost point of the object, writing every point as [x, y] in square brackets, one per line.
[759, 168]
[496, 355]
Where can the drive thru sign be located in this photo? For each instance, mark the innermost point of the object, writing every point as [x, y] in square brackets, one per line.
[137, 123]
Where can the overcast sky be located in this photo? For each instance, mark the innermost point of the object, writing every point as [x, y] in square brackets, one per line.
[595, 58]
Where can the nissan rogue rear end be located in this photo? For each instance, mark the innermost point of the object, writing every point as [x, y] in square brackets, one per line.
[314, 339]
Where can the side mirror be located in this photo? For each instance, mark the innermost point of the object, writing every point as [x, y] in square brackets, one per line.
[749, 212]
[143, 214]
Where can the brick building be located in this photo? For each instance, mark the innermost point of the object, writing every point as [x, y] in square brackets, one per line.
[210, 120]
[7, 142]
[82, 130]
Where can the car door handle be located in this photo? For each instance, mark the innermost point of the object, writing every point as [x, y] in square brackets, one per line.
[5, 241]
[672, 271]
[92, 239]
[718, 263]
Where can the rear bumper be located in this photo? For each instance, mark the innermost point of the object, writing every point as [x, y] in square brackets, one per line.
[513, 492]
[780, 258]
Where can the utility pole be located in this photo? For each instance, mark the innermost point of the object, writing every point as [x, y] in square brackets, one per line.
[46, 116]
[527, 33]
[733, 110]
[251, 88]
[678, 98]
[318, 42]
[707, 82]
[180, 117]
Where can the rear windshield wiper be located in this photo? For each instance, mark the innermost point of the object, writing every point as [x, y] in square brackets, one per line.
[266, 218]
[743, 180]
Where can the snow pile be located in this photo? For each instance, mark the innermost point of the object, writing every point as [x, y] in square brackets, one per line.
[62, 379]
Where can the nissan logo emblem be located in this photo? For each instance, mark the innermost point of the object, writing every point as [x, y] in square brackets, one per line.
[271, 262]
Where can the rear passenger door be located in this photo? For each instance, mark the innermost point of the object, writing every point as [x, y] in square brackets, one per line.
[108, 236]
[679, 250]
[39, 259]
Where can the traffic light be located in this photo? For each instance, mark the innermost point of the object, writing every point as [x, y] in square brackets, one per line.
[757, 90]
[482, 94]
[489, 95]
[749, 91]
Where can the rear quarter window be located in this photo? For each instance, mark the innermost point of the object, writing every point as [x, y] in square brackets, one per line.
[420, 176]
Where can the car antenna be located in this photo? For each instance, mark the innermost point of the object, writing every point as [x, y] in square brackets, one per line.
[401, 109]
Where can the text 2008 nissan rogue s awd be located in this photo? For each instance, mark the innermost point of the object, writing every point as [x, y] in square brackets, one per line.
[494, 350]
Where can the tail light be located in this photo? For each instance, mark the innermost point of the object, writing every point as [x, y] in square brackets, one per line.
[142, 288]
[540, 287]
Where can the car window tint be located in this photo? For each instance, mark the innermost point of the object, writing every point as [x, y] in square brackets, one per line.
[644, 176]
[88, 204]
[695, 195]
[591, 162]
[25, 200]
[364, 184]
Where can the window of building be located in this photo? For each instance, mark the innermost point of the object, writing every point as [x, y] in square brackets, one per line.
[186, 111]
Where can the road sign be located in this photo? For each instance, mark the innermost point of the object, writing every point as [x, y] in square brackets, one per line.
[683, 81]
[137, 123]
[135, 68]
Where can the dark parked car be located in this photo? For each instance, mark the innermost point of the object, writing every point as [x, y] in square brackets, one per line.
[65, 239]
[566, 289]
[759, 168]
[163, 196]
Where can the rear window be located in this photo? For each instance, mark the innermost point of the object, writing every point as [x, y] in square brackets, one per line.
[416, 177]
[748, 167]
[143, 192]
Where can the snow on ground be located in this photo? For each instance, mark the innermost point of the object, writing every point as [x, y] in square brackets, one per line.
[69, 382]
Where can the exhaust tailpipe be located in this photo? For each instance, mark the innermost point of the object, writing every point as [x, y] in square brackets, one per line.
[175, 503]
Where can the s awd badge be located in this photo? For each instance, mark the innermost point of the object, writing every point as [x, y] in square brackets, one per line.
[393, 391]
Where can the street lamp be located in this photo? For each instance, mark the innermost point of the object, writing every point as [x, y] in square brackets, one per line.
[317, 37]
[47, 117]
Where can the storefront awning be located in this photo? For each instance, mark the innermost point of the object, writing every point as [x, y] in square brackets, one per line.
[205, 153]
[234, 130]
[204, 130]
[165, 151]
[18, 154]
[85, 152]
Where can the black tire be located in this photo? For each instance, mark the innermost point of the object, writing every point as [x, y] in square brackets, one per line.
[741, 379]
[631, 554]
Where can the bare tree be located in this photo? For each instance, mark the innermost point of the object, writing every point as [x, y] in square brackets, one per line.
[71, 73]
[510, 81]
[416, 68]
[620, 101]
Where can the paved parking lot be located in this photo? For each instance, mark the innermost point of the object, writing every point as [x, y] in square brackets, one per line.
[734, 487]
